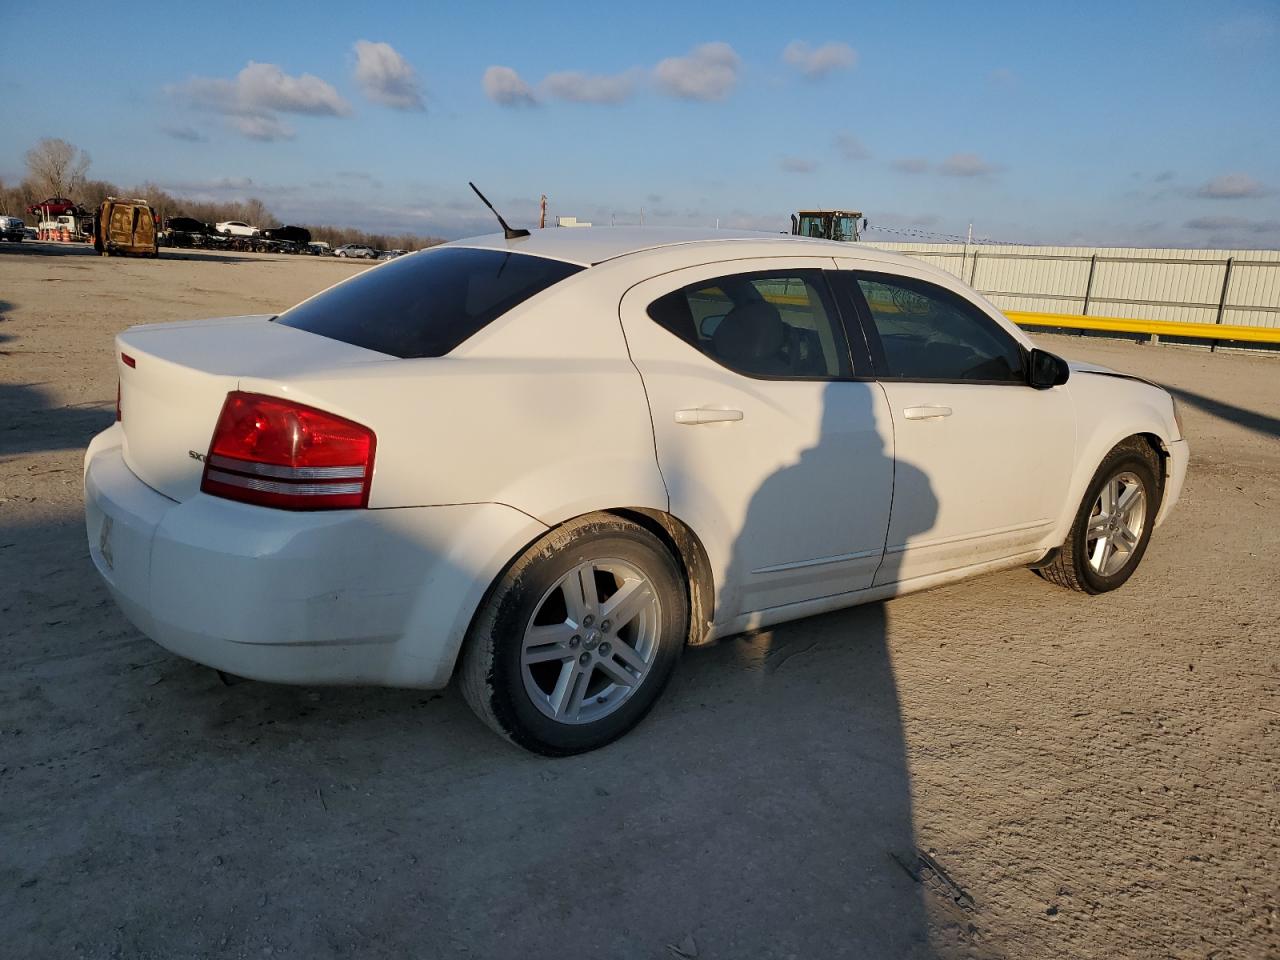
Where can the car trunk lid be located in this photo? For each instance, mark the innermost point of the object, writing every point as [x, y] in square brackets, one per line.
[174, 378]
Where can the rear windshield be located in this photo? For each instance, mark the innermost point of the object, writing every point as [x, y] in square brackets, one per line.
[425, 304]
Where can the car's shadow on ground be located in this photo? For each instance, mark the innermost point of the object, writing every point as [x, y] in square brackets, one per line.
[763, 809]
[218, 256]
[30, 419]
[63, 250]
[24, 405]
[1260, 423]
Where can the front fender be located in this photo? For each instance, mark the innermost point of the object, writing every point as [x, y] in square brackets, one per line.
[1110, 409]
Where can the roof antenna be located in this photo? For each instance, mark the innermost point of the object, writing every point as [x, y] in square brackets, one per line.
[506, 230]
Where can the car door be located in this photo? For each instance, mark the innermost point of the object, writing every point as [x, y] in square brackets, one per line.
[772, 448]
[984, 460]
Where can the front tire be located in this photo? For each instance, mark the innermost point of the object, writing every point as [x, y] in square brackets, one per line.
[1112, 528]
[576, 641]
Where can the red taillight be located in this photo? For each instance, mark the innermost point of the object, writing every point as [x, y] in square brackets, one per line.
[277, 453]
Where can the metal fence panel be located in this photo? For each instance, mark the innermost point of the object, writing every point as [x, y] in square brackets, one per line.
[1188, 286]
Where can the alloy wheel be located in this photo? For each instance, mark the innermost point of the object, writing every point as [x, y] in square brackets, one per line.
[1116, 523]
[591, 641]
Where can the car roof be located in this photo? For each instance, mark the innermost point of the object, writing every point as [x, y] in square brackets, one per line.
[591, 245]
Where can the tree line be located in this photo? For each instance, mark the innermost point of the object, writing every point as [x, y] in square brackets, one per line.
[56, 168]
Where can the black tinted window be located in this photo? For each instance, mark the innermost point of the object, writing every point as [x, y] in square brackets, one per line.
[426, 304]
[929, 333]
[761, 324]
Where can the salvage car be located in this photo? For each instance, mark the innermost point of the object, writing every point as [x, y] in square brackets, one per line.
[52, 207]
[126, 227]
[357, 250]
[297, 236]
[545, 465]
[13, 228]
[236, 228]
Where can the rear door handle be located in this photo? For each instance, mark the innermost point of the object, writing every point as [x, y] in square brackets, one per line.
[926, 413]
[707, 415]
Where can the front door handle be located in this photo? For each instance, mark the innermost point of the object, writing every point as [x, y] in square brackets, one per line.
[926, 413]
[707, 415]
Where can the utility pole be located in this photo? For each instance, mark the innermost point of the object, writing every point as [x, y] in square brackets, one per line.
[542, 215]
[969, 240]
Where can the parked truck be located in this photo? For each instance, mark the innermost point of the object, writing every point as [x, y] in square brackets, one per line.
[828, 224]
[13, 228]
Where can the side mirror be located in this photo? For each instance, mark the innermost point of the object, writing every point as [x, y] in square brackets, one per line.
[1045, 370]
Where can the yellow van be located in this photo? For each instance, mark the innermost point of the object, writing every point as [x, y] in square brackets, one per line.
[126, 227]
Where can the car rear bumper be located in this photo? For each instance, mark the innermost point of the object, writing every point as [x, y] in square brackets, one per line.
[329, 597]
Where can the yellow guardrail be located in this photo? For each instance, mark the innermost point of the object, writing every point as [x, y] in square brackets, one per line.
[1161, 328]
[1074, 321]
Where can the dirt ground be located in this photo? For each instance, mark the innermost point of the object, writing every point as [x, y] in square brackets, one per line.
[995, 769]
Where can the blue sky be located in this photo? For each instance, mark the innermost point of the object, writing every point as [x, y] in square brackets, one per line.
[1137, 123]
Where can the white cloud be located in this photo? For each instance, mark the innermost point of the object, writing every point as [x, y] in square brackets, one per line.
[264, 86]
[850, 147]
[252, 99]
[911, 165]
[263, 127]
[1234, 224]
[1232, 186]
[503, 86]
[353, 177]
[708, 72]
[966, 165]
[190, 134]
[797, 165]
[590, 88]
[385, 77]
[218, 184]
[818, 62]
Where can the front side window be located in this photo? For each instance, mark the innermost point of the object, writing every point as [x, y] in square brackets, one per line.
[929, 333]
[426, 304]
[772, 325]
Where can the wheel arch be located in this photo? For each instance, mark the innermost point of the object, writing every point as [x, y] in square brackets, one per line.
[685, 545]
[1092, 456]
[1161, 450]
[679, 539]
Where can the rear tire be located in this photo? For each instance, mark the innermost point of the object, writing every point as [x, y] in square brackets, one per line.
[575, 642]
[1112, 527]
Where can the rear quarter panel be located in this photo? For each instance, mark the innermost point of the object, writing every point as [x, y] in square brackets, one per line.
[542, 411]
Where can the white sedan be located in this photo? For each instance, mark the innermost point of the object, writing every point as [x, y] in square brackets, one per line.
[547, 464]
[236, 228]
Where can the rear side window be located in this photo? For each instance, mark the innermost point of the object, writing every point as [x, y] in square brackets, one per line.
[426, 304]
[772, 325]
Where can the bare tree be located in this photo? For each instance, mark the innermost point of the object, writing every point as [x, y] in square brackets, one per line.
[93, 192]
[257, 214]
[69, 175]
[56, 167]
